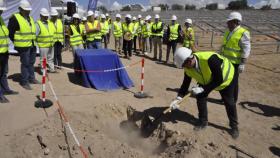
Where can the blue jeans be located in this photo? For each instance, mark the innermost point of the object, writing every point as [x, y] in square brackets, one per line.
[4, 57]
[27, 59]
[90, 45]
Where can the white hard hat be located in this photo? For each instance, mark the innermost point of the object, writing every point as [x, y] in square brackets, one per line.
[107, 14]
[103, 16]
[147, 18]
[96, 15]
[44, 12]
[90, 13]
[181, 55]
[84, 18]
[139, 16]
[174, 17]
[134, 18]
[2, 5]
[118, 16]
[128, 16]
[54, 12]
[234, 16]
[156, 16]
[188, 21]
[25, 5]
[76, 15]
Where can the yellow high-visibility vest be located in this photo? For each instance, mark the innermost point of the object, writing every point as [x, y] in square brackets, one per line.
[188, 42]
[75, 39]
[4, 37]
[157, 26]
[58, 30]
[204, 75]
[231, 48]
[104, 27]
[117, 29]
[90, 36]
[26, 33]
[45, 37]
[97, 35]
[173, 32]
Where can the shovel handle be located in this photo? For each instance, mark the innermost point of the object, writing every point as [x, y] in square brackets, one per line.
[179, 102]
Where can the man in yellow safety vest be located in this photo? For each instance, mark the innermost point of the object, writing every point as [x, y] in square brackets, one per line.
[4, 57]
[44, 34]
[109, 21]
[117, 31]
[75, 33]
[188, 34]
[212, 72]
[90, 30]
[236, 45]
[104, 29]
[58, 27]
[157, 33]
[22, 31]
[127, 27]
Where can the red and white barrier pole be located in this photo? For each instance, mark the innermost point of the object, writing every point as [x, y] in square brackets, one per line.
[142, 76]
[44, 79]
[141, 94]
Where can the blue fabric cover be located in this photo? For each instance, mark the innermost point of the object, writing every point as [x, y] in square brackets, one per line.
[101, 59]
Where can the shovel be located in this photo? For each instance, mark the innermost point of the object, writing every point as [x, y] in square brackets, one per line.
[148, 126]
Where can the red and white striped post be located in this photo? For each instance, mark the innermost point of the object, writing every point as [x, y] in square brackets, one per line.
[43, 102]
[141, 94]
[44, 79]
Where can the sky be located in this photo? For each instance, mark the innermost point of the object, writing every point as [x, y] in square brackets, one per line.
[200, 3]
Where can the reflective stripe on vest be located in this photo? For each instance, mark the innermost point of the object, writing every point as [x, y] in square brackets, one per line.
[4, 38]
[188, 42]
[117, 29]
[145, 31]
[204, 75]
[174, 32]
[231, 48]
[90, 36]
[128, 28]
[97, 35]
[76, 38]
[104, 27]
[157, 26]
[26, 33]
[58, 30]
[45, 38]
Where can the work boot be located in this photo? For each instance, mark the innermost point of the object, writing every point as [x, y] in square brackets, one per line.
[26, 86]
[201, 125]
[234, 132]
[10, 92]
[3, 99]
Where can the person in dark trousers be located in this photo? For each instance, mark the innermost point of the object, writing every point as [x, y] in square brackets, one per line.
[127, 27]
[4, 58]
[157, 33]
[236, 45]
[212, 72]
[173, 32]
[22, 31]
[58, 37]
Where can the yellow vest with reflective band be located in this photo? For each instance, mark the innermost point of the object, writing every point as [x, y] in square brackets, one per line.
[45, 37]
[90, 36]
[188, 42]
[26, 33]
[139, 27]
[145, 32]
[104, 27]
[204, 75]
[109, 21]
[158, 26]
[117, 29]
[173, 32]
[76, 38]
[4, 38]
[96, 35]
[58, 30]
[82, 29]
[128, 28]
[150, 28]
[231, 48]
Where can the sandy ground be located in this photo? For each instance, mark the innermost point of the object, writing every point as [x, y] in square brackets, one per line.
[95, 116]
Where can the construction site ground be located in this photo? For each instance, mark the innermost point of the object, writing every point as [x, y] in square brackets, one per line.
[95, 116]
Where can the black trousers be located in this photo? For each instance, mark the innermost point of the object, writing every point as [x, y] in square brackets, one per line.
[227, 95]
[104, 38]
[127, 47]
[236, 89]
[173, 45]
[57, 53]
[134, 43]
